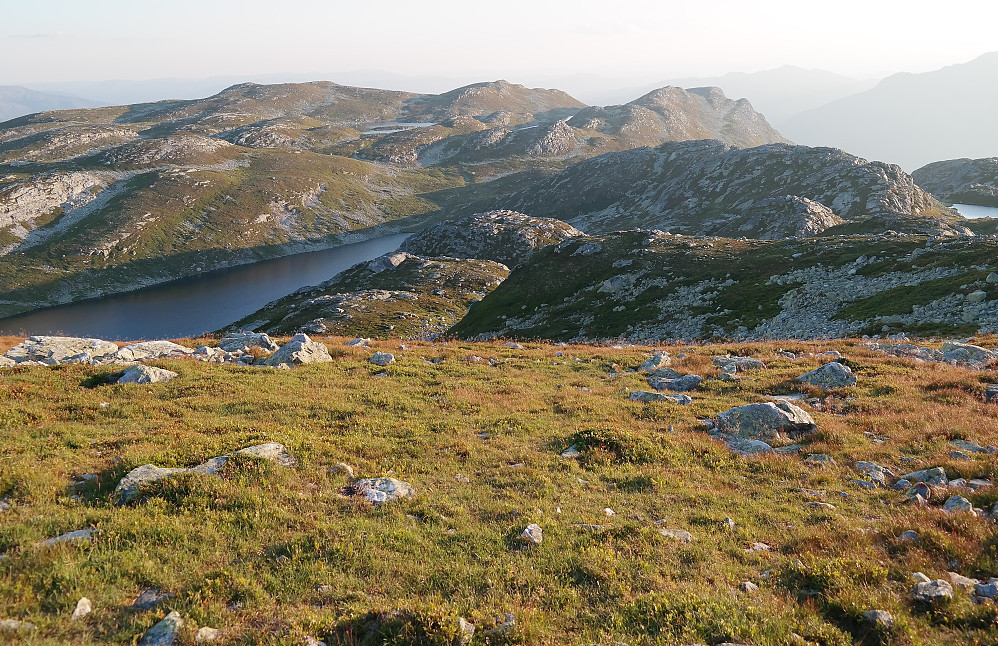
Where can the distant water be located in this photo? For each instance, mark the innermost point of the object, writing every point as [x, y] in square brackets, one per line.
[973, 212]
[193, 306]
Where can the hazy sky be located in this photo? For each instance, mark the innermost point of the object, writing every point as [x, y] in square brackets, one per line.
[520, 40]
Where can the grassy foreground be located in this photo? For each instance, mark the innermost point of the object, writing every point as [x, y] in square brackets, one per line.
[271, 555]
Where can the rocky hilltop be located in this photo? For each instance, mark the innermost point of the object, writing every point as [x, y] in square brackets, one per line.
[962, 181]
[647, 285]
[97, 201]
[503, 236]
[710, 188]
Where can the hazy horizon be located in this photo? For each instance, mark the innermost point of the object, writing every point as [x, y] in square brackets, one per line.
[111, 40]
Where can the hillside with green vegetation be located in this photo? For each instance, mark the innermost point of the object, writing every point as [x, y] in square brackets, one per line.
[647, 286]
[644, 529]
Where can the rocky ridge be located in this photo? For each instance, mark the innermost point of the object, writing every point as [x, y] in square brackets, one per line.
[709, 188]
[961, 181]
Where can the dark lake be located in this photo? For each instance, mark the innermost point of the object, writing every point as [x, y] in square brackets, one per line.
[193, 306]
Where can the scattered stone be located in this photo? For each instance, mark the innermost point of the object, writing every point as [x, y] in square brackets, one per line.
[299, 350]
[748, 586]
[78, 536]
[987, 590]
[656, 361]
[962, 582]
[165, 632]
[677, 535]
[382, 358]
[829, 376]
[83, 608]
[150, 598]
[682, 384]
[874, 472]
[766, 421]
[932, 592]
[979, 483]
[820, 460]
[969, 447]
[959, 455]
[964, 352]
[918, 577]
[646, 397]
[758, 547]
[819, 505]
[958, 503]
[744, 446]
[146, 375]
[737, 364]
[901, 484]
[14, 625]
[381, 490]
[571, 452]
[206, 635]
[729, 524]
[533, 534]
[879, 618]
[515, 346]
[465, 632]
[362, 343]
[344, 468]
[935, 476]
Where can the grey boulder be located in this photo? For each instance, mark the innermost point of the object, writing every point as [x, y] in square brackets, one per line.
[682, 384]
[148, 350]
[299, 350]
[164, 633]
[831, 375]
[241, 341]
[767, 421]
[932, 592]
[382, 358]
[737, 364]
[146, 375]
[55, 350]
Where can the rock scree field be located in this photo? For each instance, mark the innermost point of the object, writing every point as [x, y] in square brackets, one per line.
[348, 491]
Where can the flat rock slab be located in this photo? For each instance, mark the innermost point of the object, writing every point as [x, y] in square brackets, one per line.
[78, 536]
[148, 350]
[146, 375]
[677, 535]
[767, 421]
[737, 364]
[831, 375]
[128, 487]
[682, 384]
[381, 490]
[300, 350]
[55, 350]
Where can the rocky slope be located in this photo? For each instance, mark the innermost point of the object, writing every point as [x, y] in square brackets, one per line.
[111, 199]
[648, 285]
[709, 188]
[398, 295]
[961, 181]
[507, 237]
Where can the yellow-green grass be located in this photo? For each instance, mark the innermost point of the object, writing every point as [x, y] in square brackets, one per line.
[270, 554]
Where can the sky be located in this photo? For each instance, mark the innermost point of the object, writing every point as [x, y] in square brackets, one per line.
[520, 40]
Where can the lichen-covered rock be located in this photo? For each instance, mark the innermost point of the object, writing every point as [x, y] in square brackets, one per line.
[146, 375]
[767, 421]
[382, 358]
[932, 592]
[300, 350]
[737, 364]
[381, 490]
[831, 375]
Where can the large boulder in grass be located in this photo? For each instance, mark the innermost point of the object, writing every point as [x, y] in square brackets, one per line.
[299, 350]
[829, 376]
[769, 422]
[55, 350]
[146, 375]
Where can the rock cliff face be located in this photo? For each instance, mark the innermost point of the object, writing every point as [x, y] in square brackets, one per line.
[502, 236]
[646, 286]
[961, 181]
[709, 188]
[397, 295]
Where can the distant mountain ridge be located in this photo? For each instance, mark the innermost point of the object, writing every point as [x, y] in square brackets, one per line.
[911, 119]
[16, 101]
